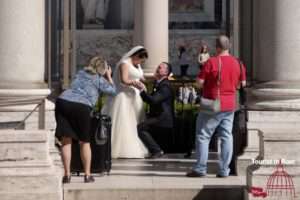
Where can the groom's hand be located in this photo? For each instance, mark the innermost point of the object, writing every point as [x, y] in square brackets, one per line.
[140, 86]
[143, 87]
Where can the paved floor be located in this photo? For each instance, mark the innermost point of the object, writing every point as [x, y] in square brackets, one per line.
[157, 173]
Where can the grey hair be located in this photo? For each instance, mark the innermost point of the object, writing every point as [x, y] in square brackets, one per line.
[223, 42]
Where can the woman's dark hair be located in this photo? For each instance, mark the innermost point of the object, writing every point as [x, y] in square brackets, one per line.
[142, 53]
[181, 48]
[181, 51]
[202, 48]
[169, 67]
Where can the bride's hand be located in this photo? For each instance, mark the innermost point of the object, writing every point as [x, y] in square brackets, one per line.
[138, 84]
[141, 86]
[134, 83]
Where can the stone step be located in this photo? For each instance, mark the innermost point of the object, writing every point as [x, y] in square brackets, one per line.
[169, 162]
[278, 144]
[30, 196]
[157, 194]
[155, 187]
[55, 154]
[267, 175]
[23, 145]
[253, 140]
[267, 170]
[212, 155]
[155, 179]
[34, 168]
[280, 125]
[56, 158]
[43, 183]
[292, 135]
[26, 167]
[153, 166]
[274, 116]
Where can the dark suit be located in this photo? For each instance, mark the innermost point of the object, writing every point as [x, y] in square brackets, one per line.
[161, 114]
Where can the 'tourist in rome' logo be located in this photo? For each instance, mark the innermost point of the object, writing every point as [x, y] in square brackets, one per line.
[279, 184]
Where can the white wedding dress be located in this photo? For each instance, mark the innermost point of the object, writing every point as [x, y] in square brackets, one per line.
[126, 111]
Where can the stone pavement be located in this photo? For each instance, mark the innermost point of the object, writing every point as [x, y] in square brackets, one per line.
[158, 179]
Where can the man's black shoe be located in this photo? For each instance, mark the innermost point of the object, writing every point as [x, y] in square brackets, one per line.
[158, 154]
[187, 155]
[221, 176]
[195, 174]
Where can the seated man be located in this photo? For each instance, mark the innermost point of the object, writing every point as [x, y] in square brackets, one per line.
[160, 118]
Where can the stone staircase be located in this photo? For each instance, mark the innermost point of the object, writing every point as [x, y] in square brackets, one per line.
[157, 179]
[27, 171]
[278, 137]
[30, 168]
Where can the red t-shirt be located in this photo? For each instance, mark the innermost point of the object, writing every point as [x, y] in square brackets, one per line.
[230, 79]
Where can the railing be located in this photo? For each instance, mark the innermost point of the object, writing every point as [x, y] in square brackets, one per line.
[22, 98]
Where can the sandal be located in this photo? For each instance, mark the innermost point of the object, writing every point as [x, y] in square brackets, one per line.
[66, 179]
[89, 179]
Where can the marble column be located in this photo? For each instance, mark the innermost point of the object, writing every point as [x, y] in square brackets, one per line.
[152, 31]
[26, 156]
[22, 67]
[277, 40]
[22, 41]
[276, 54]
[274, 101]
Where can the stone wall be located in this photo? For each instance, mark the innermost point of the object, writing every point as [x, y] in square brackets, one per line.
[112, 44]
[192, 40]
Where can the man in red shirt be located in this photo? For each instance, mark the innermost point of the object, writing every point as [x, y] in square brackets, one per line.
[232, 76]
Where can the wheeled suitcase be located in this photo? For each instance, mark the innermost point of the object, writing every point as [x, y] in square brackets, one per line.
[100, 147]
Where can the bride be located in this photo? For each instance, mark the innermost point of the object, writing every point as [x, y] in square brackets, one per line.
[126, 108]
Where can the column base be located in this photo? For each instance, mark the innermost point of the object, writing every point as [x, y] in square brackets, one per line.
[274, 96]
[23, 85]
[12, 116]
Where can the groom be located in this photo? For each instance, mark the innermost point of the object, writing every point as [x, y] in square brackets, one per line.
[160, 118]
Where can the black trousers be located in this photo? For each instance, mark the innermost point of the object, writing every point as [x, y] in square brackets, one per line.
[147, 131]
[239, 132]
[183, 70]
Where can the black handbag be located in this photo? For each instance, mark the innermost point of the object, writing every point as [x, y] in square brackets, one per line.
[101, 130]
[100, 124]
[242, 96]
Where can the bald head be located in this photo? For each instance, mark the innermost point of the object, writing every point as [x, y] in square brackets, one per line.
[222, 42]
